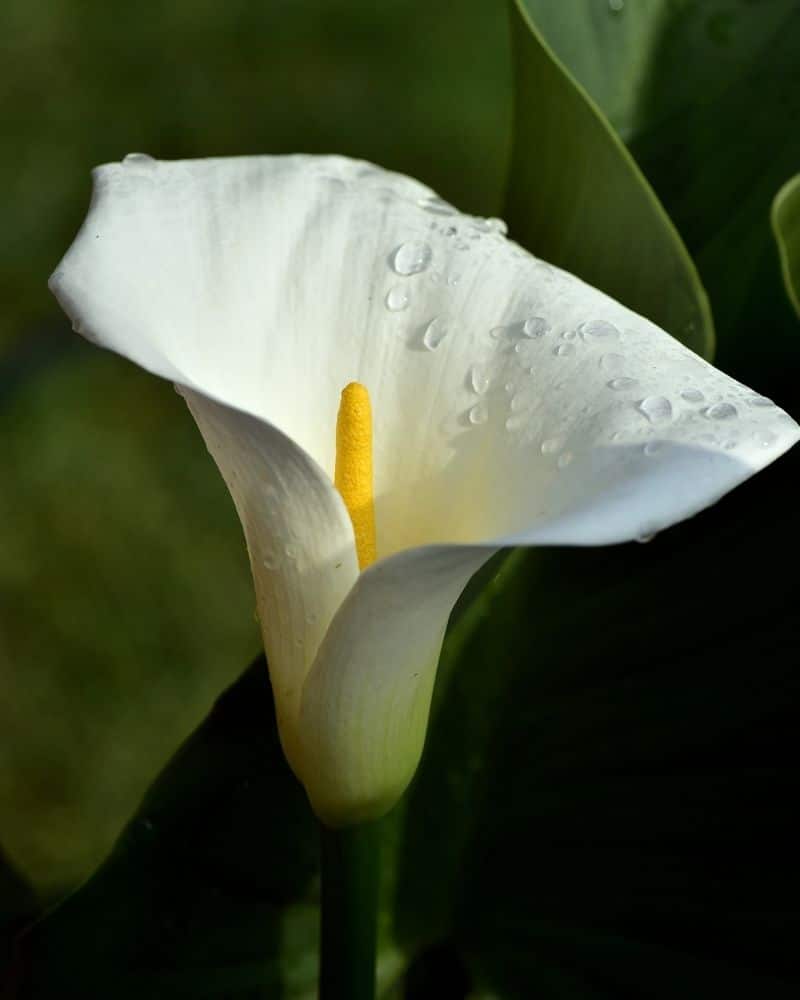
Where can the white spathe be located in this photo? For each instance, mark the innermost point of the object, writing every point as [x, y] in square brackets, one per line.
[513, 404]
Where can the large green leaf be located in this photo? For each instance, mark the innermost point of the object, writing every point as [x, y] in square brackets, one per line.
[212, 889]
[715, 126]
[577, 198]
[605, 805]
[786, 227]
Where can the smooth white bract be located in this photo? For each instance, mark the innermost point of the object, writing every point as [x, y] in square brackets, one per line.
[261, 286]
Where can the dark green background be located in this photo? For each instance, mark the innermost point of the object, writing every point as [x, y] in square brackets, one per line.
[604, 809]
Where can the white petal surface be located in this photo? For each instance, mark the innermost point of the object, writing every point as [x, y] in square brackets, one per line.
[512, 403]
[270, 282]
[299, 538]
[366, 700]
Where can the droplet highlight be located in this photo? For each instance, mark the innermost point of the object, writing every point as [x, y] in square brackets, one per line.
[412, 257]
[721, 411]
[618, 384]
[397, 299]
[435, 332]
[479, 413]
[657, 409]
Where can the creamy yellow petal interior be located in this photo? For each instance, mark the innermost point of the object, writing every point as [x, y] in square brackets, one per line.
[353, 475]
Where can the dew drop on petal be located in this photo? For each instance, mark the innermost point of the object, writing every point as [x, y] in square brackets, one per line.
[497, 225]
[397, 298]
[622, 383]
[138, 160]
[550, 446]
[612, 362]
[653, 447]
[509, 387]
[563, 350]
[766, 438]
[535, 326]
[479, 413]
[516, 421]
[600, 329]
[720, 411]
[479, 380]
[435, 332]
[291, 552]
[760, 401]
[269, 560]
[564, 459]
[436, 205]
[518, 402]
[692, 395]
[657, 409]
[645, 537]
[412, 257]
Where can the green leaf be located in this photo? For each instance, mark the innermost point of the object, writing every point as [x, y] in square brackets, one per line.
[710, 108]
[604, 807]
[786, 227]
[577, 198]
[212, 889]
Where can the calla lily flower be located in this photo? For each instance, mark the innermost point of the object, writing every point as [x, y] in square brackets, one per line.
[511, 404]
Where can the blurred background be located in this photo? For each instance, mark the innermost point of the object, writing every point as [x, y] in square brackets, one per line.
[125, 598]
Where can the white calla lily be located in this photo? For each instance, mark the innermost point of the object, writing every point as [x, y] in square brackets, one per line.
[513, 405]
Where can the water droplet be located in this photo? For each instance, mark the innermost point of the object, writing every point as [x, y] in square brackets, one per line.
[616, 6]
[497, 225]
[412, 257]
[568, 335]
[653, 447]
[397, 298]
[760, 401]
[479, 380]
[138, 160]
[564, 349]
[645, 537]
[516, 421]
[692, 395]
[454, 279]
[497, 332]
[535, 326]
[509, 387]
[657, 409]
[612, 362]
[291, 552]
[435, 332]
[766, 438]
[310, 618]
[600, 329]
[269, 561]
[564, 459]
[720, 411]
[550, 446]
[436, 205]
[618, 384]
[479, 413]
[518, 402]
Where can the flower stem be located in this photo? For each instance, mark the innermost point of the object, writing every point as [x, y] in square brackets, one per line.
[350, 882]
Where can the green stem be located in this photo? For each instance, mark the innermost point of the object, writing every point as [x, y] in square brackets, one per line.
[350, 881]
